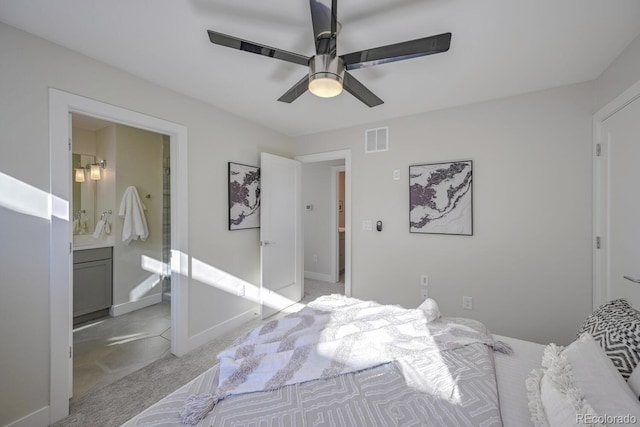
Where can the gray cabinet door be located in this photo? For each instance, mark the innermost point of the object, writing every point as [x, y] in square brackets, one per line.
[92, 286]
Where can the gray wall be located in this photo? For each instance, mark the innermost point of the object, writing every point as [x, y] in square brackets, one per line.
[528, 264]
[29, 66]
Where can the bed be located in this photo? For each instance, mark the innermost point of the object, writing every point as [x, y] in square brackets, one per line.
[471, 379]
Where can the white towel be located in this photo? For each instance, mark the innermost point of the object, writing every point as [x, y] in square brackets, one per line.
[132, 210]
[98, 231]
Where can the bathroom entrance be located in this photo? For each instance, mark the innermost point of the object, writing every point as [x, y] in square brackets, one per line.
[121, 210]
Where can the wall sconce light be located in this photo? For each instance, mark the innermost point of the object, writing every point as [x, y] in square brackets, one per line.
[95, 172]
[94, 169]
[79, 174]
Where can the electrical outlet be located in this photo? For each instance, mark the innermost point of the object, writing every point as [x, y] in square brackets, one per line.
[467, 303]
[367, 225]
[424, 293]
[315, 258]
[424, 280]
[396, 174]
[240, 290]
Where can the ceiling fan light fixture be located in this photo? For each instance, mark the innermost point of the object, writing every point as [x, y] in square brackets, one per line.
[325, 87]
[325, 76]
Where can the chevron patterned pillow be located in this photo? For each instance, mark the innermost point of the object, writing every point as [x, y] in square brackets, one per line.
[616, 327]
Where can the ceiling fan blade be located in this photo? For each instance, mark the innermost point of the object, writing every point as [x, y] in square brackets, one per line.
[334, 18]
[357, 89]
[297, 90]
[247, 46]
[325, 25]
[398, 52]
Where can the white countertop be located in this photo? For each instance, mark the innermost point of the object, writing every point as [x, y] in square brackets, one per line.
[87, 241]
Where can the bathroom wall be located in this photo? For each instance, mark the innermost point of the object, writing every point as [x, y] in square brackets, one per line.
[135, 266]
[84, 142]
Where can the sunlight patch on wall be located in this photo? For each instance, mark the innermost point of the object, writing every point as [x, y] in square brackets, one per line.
[26, 199]
[144, 287]
[233, 285]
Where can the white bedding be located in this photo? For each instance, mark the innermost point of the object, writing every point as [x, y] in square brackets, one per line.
[511, 373]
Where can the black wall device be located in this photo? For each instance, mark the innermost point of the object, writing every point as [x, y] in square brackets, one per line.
[379, 225]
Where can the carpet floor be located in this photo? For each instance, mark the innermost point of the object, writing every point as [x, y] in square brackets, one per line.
[120, 401]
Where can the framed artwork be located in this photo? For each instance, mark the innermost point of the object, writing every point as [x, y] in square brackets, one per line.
[244, 196]
[440, 198]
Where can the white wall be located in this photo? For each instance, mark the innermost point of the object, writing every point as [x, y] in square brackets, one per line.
[623, 72]
[316, 190]
[528, 264]
[29, 66]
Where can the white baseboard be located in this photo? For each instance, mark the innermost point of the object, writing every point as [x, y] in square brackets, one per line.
[221, 328]
[39, 418]
[127, 307]
[318, 276]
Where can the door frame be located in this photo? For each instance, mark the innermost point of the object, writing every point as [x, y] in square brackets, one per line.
[61, 104]
[601, 291]
[346, 156]
[335, 221]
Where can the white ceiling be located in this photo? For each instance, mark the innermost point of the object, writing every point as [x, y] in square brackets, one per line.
[499, 48]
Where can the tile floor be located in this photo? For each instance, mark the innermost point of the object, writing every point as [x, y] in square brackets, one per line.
[108, 349]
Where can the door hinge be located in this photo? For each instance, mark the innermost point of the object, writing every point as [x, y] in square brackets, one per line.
[70, 352]
[69, 144]
[598, 242]
[598, 150]
[70, 247]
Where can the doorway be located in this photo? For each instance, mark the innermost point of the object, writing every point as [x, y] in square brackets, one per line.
[121, 290]
[61, 105]
[616, 210]
[341, 160]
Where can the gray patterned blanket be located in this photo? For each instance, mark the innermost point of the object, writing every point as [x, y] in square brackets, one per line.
[333, 336]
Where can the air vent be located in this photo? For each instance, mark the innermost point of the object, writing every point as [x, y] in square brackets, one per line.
[376, 140]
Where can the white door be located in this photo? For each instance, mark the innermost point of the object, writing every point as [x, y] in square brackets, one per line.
[280, 233]
[619, 210]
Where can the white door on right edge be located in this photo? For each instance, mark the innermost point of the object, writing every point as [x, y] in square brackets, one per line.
[621, 173]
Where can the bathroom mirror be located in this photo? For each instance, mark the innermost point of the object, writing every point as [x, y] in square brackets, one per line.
[84, 196]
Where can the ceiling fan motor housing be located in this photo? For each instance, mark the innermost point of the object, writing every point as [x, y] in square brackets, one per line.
[326, 74]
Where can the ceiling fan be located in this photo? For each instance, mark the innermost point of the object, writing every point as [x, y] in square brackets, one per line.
[328, 72]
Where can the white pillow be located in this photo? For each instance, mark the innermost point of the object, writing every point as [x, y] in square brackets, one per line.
[430, 309]
[634, 382]
[578, 385]
[603, 386]
[538, 415]
[561, 407]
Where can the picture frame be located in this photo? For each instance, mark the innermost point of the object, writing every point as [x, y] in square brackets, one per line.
[243, 196]
[441, 198]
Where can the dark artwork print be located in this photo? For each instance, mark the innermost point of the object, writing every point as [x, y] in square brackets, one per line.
[244, 196]
[440, 198]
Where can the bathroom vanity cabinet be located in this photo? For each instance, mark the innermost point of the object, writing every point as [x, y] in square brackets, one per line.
[92, 283]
